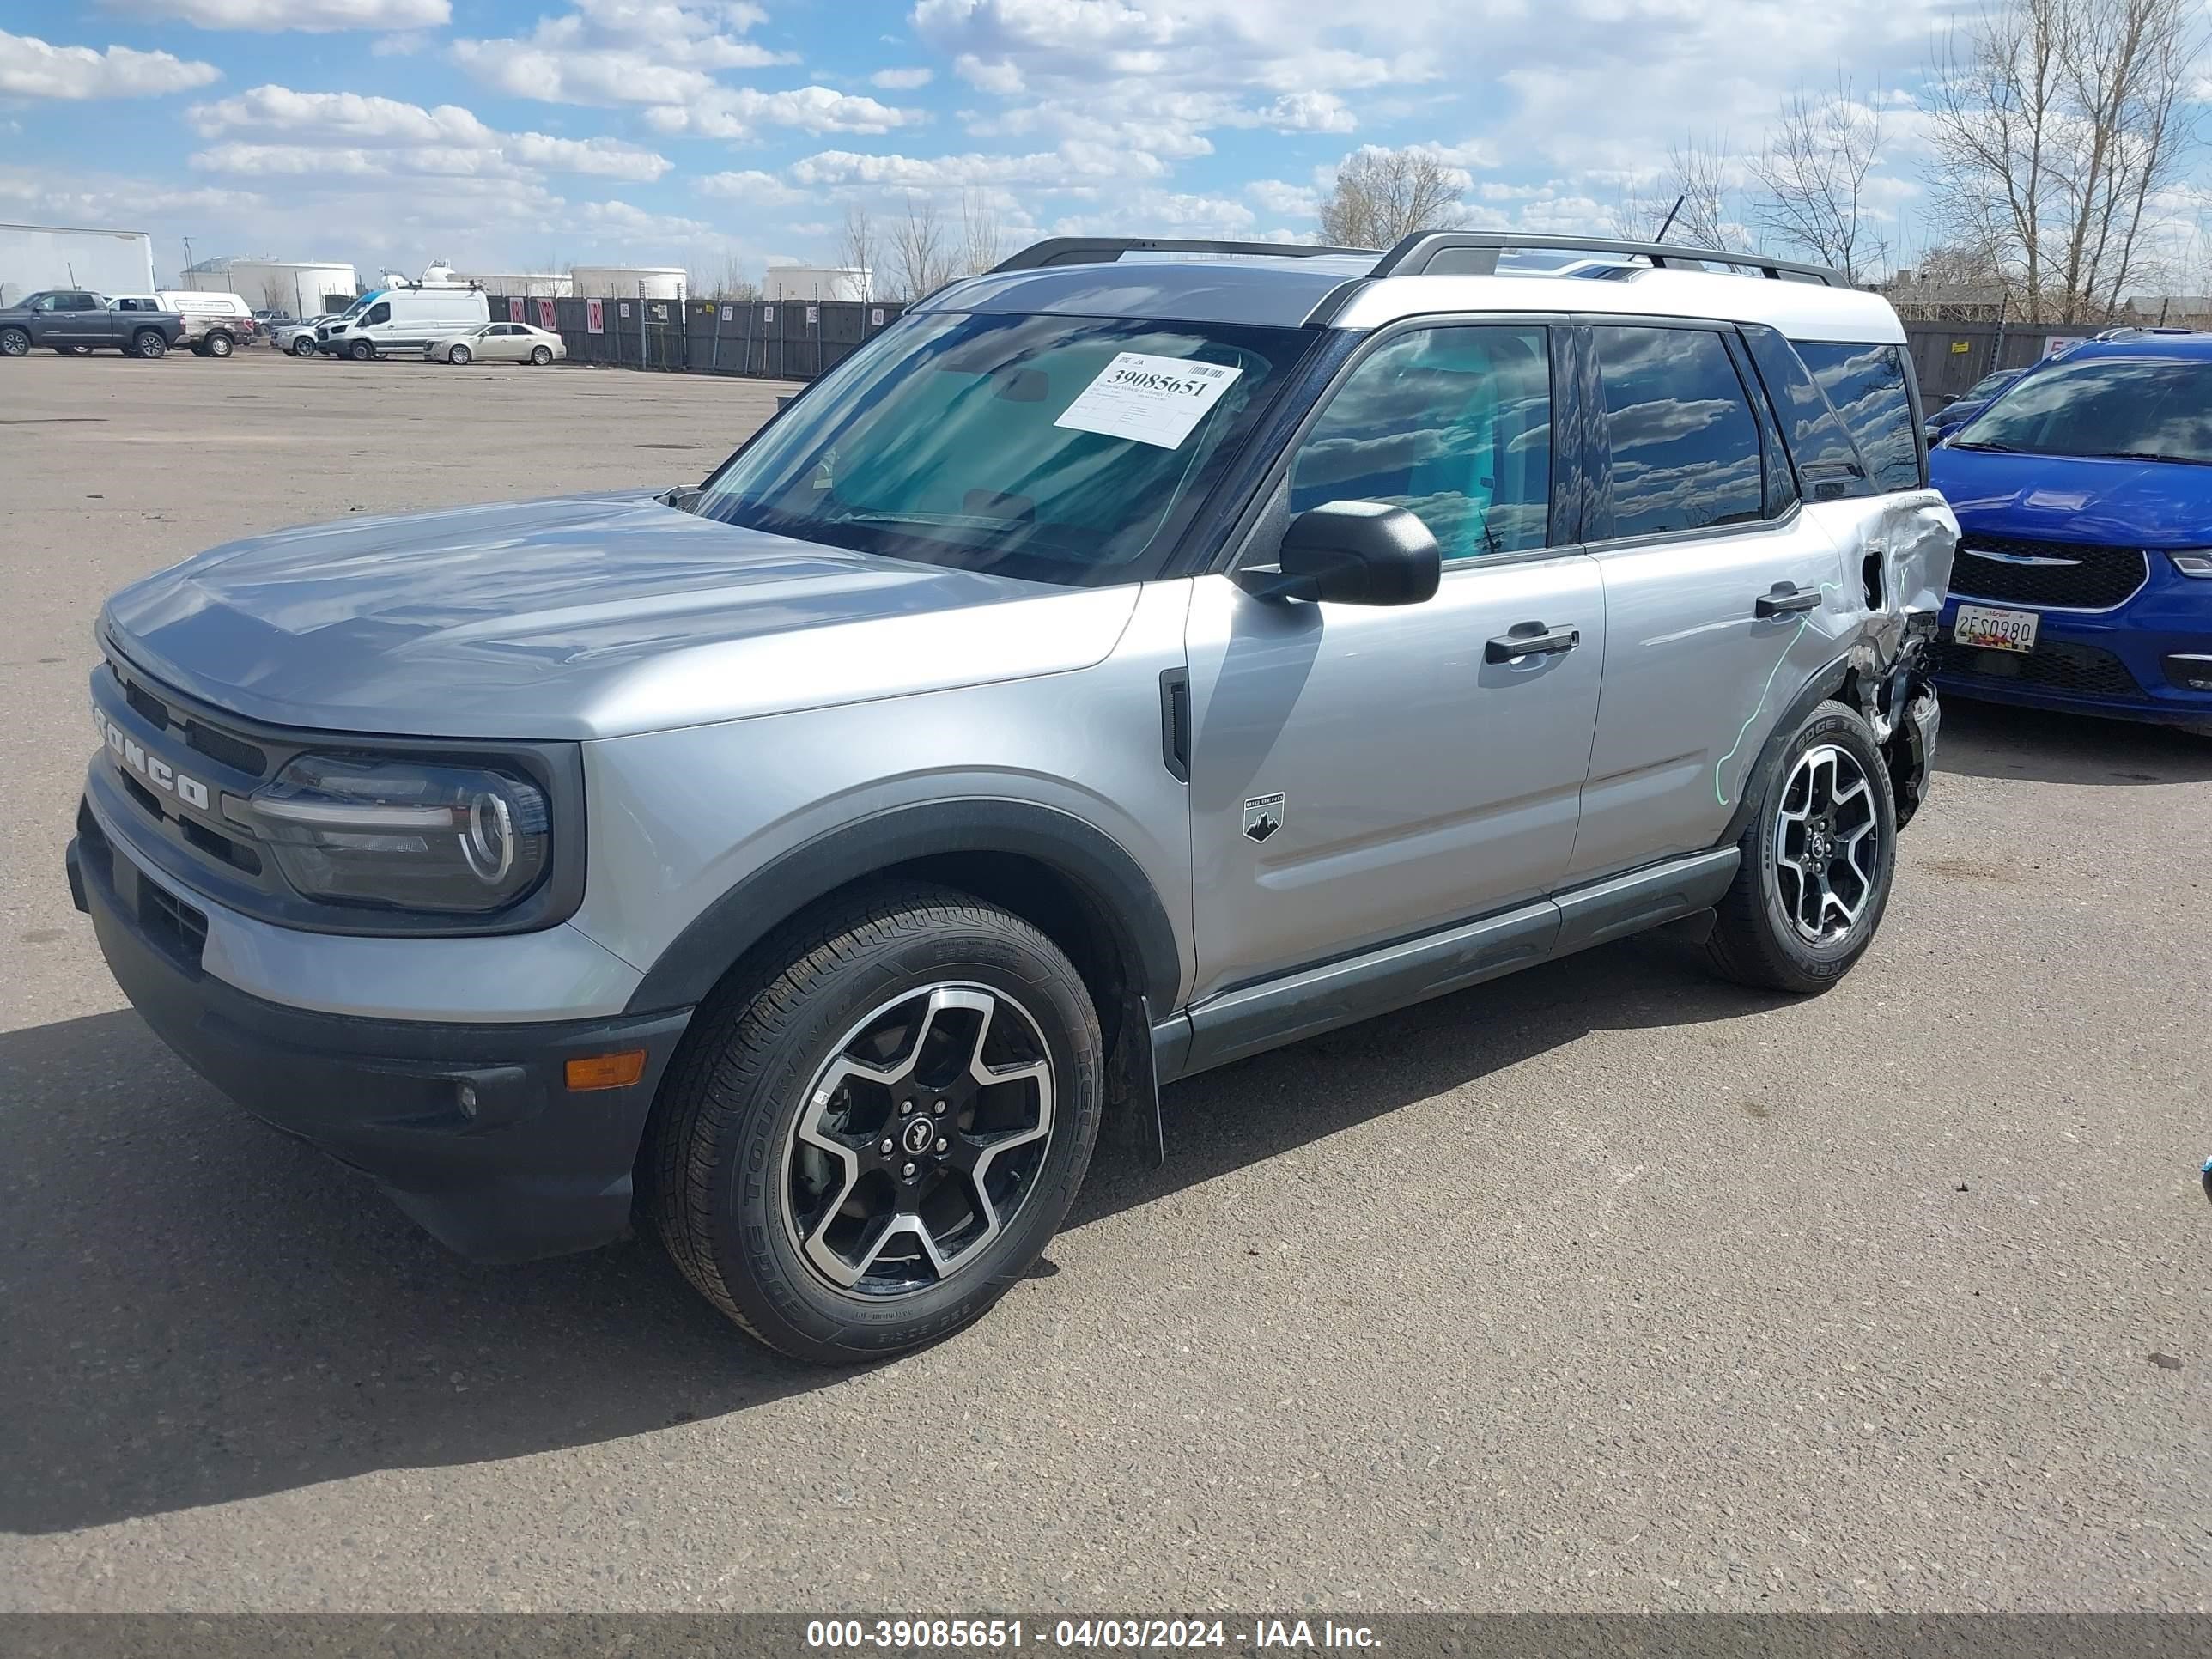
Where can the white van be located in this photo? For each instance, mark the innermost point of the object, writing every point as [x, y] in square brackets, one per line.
[401, 320]
[215, 324]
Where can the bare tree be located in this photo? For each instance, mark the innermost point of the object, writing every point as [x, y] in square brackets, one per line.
[1381, 195]
[1812, 178]
[919, 261]
[2056, 124]
[1689, 201]
[980, 245]
[860, 249]
[278, 290]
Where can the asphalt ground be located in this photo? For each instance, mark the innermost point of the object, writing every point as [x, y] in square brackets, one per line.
[1606, 1287]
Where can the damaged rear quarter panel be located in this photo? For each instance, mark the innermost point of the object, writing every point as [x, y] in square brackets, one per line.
[1904, 558]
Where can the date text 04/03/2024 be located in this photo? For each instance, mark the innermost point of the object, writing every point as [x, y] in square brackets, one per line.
[1110, 1634]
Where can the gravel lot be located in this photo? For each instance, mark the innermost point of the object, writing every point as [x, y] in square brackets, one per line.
[1604, 1287]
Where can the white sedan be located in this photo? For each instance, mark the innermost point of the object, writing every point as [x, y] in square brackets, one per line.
[497, 343]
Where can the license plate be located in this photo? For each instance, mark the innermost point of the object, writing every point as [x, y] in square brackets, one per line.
[1989, 629]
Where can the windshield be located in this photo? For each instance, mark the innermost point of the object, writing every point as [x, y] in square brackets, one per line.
[2147, 408]
[1061, 449]
[1990, 385]
[363, 303]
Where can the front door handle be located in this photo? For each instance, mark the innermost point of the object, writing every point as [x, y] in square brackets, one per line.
[1786, 599]
[1531, 639]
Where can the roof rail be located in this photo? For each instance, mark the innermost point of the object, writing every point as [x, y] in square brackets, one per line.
[1105, 250]
[1474, 253]
[2136, 331]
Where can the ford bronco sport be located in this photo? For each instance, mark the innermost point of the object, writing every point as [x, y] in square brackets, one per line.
[1142, 655]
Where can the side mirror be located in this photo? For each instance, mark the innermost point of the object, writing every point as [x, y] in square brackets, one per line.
[1351, 553]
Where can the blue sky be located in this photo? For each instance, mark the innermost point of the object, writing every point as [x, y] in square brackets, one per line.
[514, 134]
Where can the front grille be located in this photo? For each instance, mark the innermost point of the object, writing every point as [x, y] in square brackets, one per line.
[149, 706]
[2091, 578]
[234, 752]
[2054, 665]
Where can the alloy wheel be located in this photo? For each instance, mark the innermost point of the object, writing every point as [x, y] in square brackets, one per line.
[1827, 844]
[919, 1140]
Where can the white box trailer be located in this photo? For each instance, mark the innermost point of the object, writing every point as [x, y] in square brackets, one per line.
[32, 257]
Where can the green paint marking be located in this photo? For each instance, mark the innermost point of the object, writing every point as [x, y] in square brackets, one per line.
[1803, 622]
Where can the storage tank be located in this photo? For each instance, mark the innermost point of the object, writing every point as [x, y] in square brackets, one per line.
[32, 257]
[629, 281]
[813, 282]
[303, 287]
[530, 284]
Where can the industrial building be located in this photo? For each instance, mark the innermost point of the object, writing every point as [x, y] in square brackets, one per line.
[305, 288]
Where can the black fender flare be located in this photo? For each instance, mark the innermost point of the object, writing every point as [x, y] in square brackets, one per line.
[1753, 790]
[1078, 851]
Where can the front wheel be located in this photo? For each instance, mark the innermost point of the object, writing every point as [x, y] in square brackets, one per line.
[1818, 859]
[15, 342]
[458, 356]
[541, 355]
[867, 1141]
[362, 352]
[303, 347]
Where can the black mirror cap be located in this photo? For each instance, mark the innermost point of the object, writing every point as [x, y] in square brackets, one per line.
[1359, 553]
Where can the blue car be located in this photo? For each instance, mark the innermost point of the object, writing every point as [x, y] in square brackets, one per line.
[1969, 403]
[2083, 580]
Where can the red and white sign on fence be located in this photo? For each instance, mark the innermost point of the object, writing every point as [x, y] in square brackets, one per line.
[548, 319]
[514, 309]
[595, 317]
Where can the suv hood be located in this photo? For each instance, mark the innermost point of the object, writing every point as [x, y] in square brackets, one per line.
[2064, 498]
[584, 616]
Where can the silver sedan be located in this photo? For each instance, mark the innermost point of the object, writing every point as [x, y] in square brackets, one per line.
[498, 342]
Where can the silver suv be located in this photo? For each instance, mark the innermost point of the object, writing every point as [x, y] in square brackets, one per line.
[1142, 655]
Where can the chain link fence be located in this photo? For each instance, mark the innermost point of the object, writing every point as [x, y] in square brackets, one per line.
[766, 339]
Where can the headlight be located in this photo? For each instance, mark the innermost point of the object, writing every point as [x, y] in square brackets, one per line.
[2196, 561]
[399, 835]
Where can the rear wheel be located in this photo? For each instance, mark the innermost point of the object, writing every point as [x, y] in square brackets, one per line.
[541, 355]
[149, 343]
[15, 342]
[219, 344]
[458, 354]
[867, 1141]
[1818, 858]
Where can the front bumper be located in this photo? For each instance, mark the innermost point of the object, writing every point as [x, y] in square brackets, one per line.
[531, 1169]
[2117, 663]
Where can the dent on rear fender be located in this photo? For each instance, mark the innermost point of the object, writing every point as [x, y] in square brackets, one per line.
[1904, 562]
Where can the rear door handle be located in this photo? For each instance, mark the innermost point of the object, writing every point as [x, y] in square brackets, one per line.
[1786, 600]
[1531, 639]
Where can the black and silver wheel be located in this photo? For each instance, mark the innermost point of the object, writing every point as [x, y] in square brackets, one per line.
[541, 355]
[1818, 858]
[362, 352]
[304, 346]
[15, 342]
[458, 356]
[149, 343]
[867, 1141]
[218, 344]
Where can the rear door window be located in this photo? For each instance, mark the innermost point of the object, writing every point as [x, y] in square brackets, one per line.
[1685, 445]
[1867, 385]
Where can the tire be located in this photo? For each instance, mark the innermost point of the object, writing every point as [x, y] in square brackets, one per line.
[218, 344]
[148, 343]
[458, 356]
[73, 351]
[902, 973]
[541, 355]
[304, 346]
[1825, 801]
[15, 342]
[362, 352]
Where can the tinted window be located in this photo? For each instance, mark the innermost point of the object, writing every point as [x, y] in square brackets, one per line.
[1825, 455]
[1684, 446]
[77, 303]
[379, 313]
[1454, 425]
[1866, 384]
[2155, 407]
[959, 439]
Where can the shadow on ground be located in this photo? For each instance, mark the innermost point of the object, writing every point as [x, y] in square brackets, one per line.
[1996, 740]
[196, 1310]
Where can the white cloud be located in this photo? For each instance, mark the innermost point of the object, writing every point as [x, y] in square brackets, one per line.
[1291, 201]
[29, 67]
[315, 17]
[737, 111]
[1045, 170]
[901, 80]
[763, 190]
[358, 135]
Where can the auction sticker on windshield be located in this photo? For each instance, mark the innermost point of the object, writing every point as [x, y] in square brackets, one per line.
[1150, 400]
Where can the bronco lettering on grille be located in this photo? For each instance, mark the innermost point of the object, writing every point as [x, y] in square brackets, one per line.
[132, 755]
